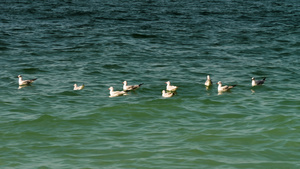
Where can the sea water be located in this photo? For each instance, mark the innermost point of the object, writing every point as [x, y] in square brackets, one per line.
[102, 43]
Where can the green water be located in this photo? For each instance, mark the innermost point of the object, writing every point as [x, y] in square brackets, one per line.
[103, 43]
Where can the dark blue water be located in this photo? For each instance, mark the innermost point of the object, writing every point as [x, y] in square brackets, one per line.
[103, 43]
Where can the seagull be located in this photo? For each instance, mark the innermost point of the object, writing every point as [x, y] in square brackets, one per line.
[128, 88]
[171, 88]
[258, 82]
[78, 87]
[208, 81]
[224, 88]
[25, 82]
[167, 94]
[115, 93]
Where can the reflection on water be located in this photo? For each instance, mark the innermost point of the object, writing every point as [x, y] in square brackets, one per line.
[208, 87]
[22, 86]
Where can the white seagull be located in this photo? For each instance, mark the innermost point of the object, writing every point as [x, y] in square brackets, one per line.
[115, 93]
[258, 82]
[171, 88]
[25, 82]
[128, 88]
[167, 94]
[224, 88]
[208, 81]
[78, 87]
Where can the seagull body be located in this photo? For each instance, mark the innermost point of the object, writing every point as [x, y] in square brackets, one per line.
[115, 93]
[24, 82]
[78, 87]
[257, 82]
[128, 88]
[171, 88]
[208, 81]
[167, 94]
[224, 88]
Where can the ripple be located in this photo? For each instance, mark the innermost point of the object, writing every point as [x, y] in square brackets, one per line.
[104, 43]
[142, 36]
[112, 66]
[69, 93]
[32, 70]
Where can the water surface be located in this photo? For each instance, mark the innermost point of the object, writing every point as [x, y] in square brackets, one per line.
[103, 43]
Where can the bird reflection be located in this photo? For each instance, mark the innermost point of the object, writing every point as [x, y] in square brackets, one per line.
[208, 87]
[22, 86]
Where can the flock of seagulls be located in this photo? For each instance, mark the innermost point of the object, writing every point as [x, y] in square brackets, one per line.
[208, 83]
[169, 92]
[126, 88]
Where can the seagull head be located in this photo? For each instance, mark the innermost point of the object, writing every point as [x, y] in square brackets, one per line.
[75, 85]
[219, 82]
[125, 82]
[168, 82]
[253, 78]
[19, 76]
[111, 88]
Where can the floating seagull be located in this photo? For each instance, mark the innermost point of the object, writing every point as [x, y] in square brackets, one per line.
[115, 93]
[208, 81]
[258, 82]
[171, 88]
[167, 94]
[78, 87]
[224, 88]
[130, 87]
[25, 82]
